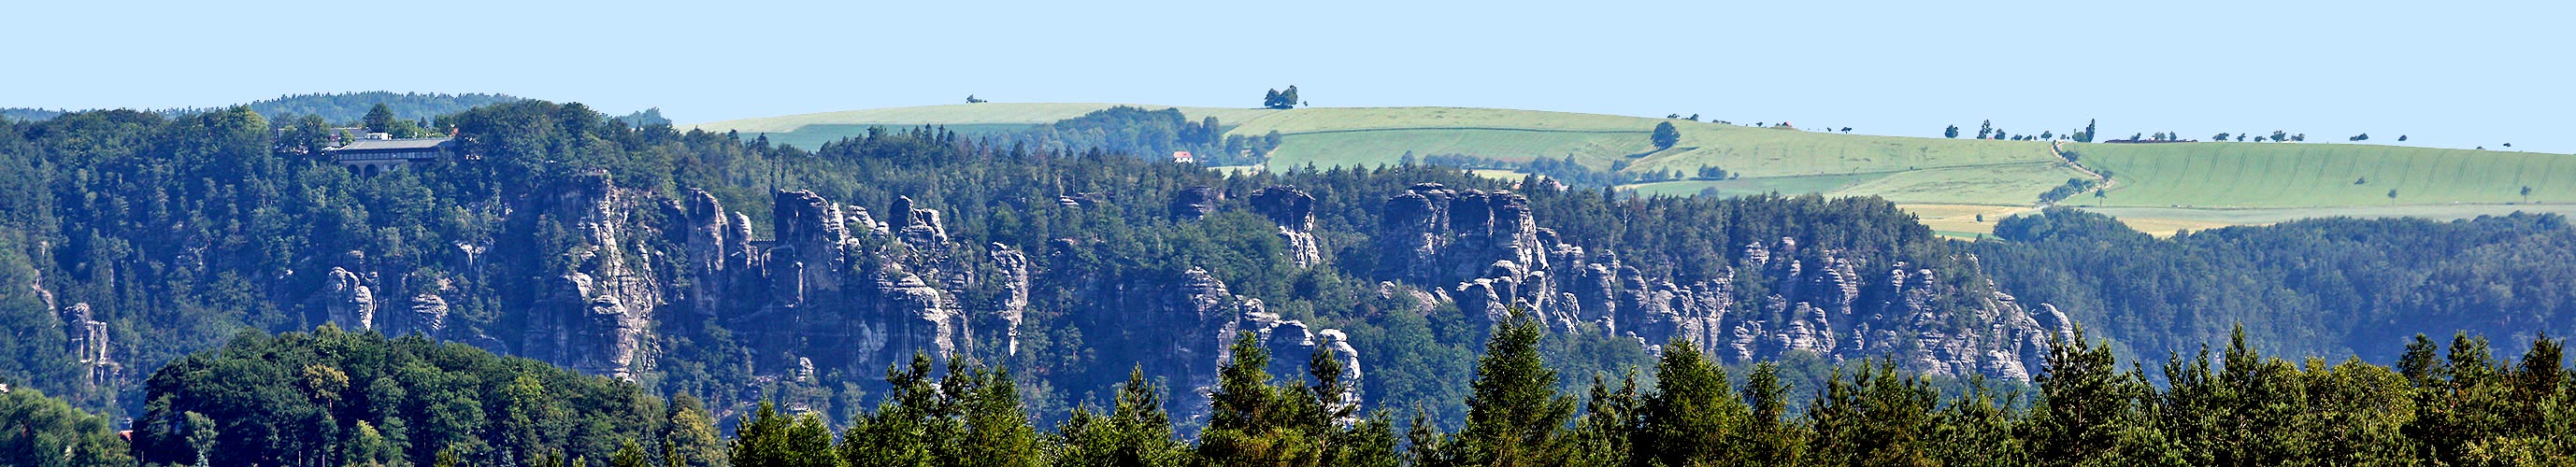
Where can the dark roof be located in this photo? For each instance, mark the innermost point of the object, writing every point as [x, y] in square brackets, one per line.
[392, 144]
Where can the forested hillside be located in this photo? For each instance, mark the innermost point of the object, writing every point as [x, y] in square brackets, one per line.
[2326, 287]
[336, 107]
[352, 106]
[699, 263]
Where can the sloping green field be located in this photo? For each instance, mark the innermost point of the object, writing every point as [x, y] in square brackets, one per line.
[1971, 185]
[1758, 185]
[2276, 175]
[1763, 152]
[1373, 147]
[2187, 185]
[1373, 118]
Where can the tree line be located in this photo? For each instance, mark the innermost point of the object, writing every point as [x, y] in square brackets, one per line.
[362, 399]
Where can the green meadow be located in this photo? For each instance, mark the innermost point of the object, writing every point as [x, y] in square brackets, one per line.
[2157, 187]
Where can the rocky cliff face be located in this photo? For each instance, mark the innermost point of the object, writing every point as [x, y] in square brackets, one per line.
[1210, 318]
[840, 289]
[836, 290]
[1485, 252]
[1294, 211]
[831, 289]
[87, 336]
[351, 304]
[596, 317]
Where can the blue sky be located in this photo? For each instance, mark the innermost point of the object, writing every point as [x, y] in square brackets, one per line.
[2450, 74]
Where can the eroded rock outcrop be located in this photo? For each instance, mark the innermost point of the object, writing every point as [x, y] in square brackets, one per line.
[348, 300]
[1294, 211]
[1483, 251]
[834, 290]
[1203, 306]
[1195, 202]
[89, 344]
[595, 318]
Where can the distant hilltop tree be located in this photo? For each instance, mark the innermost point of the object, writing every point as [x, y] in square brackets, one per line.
[970, 99]
[1952, 132]
[2087, 135]
[1986, 130]
[1665, 136]
[2359, 137]
[1283, 100]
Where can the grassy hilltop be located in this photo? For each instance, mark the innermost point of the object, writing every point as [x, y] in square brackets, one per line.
[1949, 182]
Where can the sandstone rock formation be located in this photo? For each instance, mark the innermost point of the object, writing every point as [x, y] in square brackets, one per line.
[1195, 202]
[1484, 252]
[1294, 211]
[89, 344]
[596, 317]
[1220, 317]
[350, 303]
[834, 290]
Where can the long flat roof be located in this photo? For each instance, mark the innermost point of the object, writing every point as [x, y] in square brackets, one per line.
[392, 144]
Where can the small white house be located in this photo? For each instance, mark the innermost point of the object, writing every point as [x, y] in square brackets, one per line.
[1184, 157]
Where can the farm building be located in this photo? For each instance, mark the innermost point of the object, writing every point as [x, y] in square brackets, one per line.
[376, 153]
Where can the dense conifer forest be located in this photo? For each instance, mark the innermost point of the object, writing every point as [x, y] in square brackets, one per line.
[332, 397]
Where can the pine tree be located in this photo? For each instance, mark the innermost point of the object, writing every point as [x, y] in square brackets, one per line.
[1514, 414]
[1135, 433]
[1875, 417]
[762, 440]
[906, 425]
[997, 432]
[2085, 403]
[1251, 421]
[1974, 429]
[1608, 431]
[808, 443]
[1693, 414]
